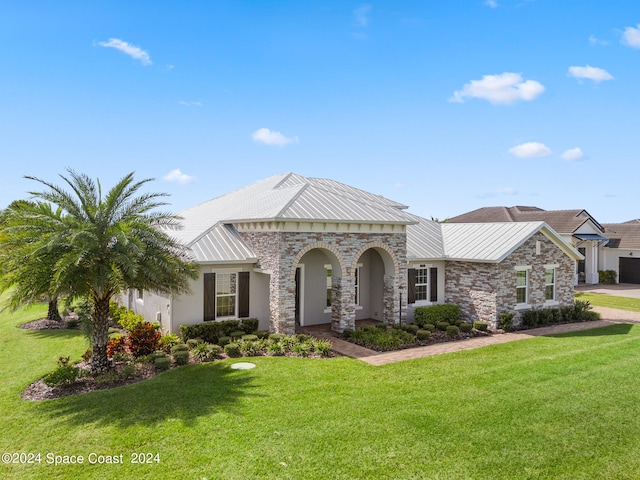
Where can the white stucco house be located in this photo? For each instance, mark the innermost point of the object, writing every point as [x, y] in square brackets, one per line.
[292, 250]
[622, 252]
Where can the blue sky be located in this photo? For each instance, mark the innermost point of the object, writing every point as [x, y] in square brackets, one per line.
[444, 106]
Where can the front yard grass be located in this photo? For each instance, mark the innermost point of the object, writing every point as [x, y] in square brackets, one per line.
[549, 407]
[609, 301]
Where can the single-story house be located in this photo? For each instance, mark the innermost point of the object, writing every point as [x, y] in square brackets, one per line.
[622, 253]
[577, 227]
[292, 250]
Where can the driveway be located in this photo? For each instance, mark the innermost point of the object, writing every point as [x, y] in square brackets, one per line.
[619, 289]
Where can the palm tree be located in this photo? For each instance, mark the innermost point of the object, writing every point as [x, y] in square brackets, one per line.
[96, 247]
[33, 279]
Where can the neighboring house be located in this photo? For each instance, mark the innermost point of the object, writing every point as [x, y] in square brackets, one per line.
[622, 253]
[574, 226]
[291, 250]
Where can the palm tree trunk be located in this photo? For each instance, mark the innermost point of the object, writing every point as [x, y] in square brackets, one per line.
[100, 336]
[53, 313]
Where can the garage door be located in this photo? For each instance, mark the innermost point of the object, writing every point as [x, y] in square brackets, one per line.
[629, 270]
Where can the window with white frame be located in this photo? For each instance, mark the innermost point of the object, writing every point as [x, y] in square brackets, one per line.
[422, 284]
[522, 285]
[226, 294]
[550, 283]
[140, 295]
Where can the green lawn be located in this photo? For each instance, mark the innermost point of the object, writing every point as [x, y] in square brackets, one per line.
[548, 407]
[610, 301]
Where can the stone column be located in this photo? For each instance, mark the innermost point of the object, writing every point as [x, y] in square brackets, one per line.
[343, 311]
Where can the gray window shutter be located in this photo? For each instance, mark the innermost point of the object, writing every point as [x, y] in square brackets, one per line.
[411, 285]
[209, 297]
[243, 294]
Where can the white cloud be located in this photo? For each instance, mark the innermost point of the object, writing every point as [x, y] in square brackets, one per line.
[126, 48]
[592, 73]
[530, 150]
[593, 40]
[270, 137]
[361, 15]
[177, 176]
[499, 89]
[491, 3]
[573, 154]
[631, 37]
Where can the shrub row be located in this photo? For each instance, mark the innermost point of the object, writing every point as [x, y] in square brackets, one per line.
[579, 312]
[607, 277]
[211, 332]
[435, 314]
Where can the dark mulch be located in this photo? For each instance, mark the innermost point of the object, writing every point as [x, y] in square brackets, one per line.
[41, 391]
[44, 324]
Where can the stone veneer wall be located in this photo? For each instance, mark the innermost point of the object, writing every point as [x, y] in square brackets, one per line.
[279, 252]
[485, 290]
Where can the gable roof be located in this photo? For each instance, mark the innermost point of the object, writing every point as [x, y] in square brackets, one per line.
[480, 242]
[562, 221]
[286, 197]
[623, 235]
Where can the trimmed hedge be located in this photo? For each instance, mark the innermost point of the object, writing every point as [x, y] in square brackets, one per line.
[435, 314]
[210, 332]
[579, 312]
[607, 277]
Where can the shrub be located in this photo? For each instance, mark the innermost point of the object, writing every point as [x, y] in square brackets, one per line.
[64, 374]
[411, 328]
[453, 331]
[302, 337]
[275, 349]
[262, 334]
[465, 327]
[434, 314]
[153, 355]
[322, 347]
[442, 326]
[482, 326]
[250, 337]
[127, 372]
[302, 349]
[144, 339]
[116, 310]
[116, 345]
[167, 342]
[429, 326]
[109, 376]
[505, 321]
[381, 326]
[249, 325]
[248, 348]
[193, 343]
[181, 357]
[580, 307]
[607, 277]
[210, 332]
[181, 347]
[276, 337]
[201, 352]
[214, 350]
[237, 334]
[130, 320]
[591, 316]
[162, 363]
[232, 349]
[222, 341]
[72, 323]
[530, 318]
[423, 334]
[377, 339]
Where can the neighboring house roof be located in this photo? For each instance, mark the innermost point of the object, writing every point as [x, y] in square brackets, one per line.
[286, 197]
[562, 221]
[480, 242]
[623, 235]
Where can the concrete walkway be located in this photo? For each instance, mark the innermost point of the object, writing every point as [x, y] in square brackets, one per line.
[610, 316]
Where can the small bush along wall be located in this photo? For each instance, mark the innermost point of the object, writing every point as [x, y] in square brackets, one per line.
[579, 312]
[211, 332]
[435, 314]
[608, 277]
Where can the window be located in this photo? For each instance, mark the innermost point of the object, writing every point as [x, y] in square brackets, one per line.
[225, 295]
[329, 287]
[140, 295]
[423, 284]
[522, 284]
[422, 281]
[550, 283]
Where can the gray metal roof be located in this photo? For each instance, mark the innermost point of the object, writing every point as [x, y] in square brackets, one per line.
[221, 244]
[493, 242]
[424, 240]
